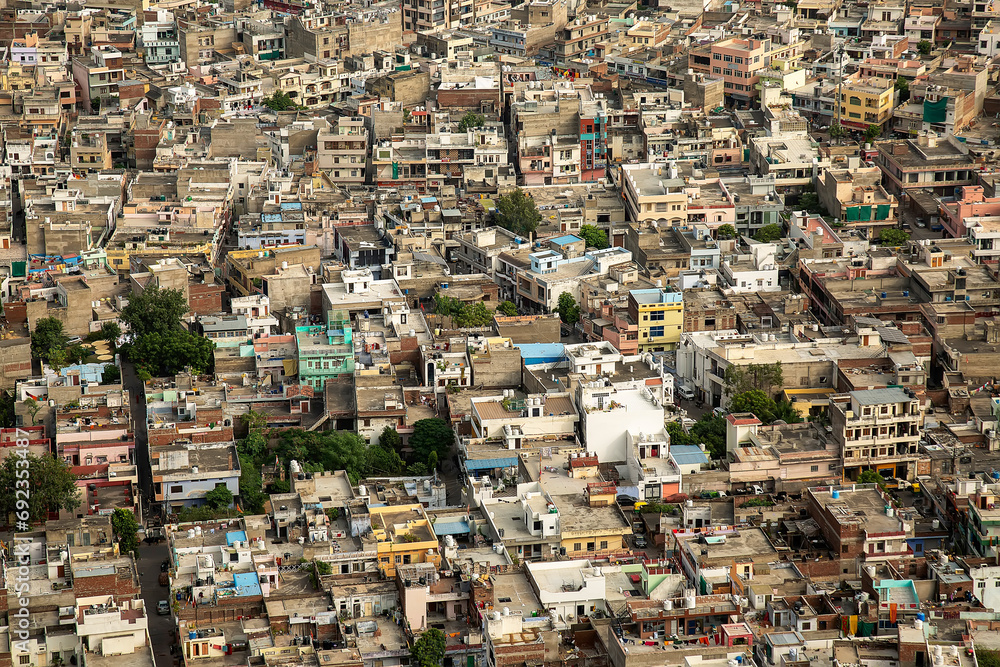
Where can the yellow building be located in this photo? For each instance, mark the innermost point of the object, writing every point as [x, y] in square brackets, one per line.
[659, 315]
[403, 535]
[865, 102]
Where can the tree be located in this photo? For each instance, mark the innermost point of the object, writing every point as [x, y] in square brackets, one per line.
[903, 87]
[428, 650]
[389, 439]
[154, 310]
[471, 120]
[677, 434]
[769, 233]
[111, 375]
[59, 359]
[219, 498]
[924, 47]
[595, 237]
[384, 461]
[254, 446]
[254, 420]
[837, 130]
[710, 430]
[986, 657]
[473, 315]
[251, 486]
[517, 212]
[764, 377]
[872, 132]
[507, 308]
[126, 530]
[32, 406]
[893, 237]
[754, 401]
[52, 486]
[786, 412]
[567, 308]
[47, 337]
[726, 231]
[170, 352]
[809, 201]
[7, 416]
[326, 450]
[279, 100]
[871, 477]
[432, 435]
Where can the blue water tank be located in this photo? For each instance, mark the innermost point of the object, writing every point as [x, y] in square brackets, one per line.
[192, 635]
[920, 616]
[835, 493]
[995, 475]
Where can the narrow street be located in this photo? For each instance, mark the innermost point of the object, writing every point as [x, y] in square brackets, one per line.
[161, 628]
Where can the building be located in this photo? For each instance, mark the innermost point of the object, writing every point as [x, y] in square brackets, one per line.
[738, 62]
[342, 151]
[927, 162]
[878, 429]
[325, 352]
[659, 314]
[865, 102]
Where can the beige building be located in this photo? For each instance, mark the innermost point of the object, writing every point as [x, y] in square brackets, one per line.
[342, 151]
[654, 193]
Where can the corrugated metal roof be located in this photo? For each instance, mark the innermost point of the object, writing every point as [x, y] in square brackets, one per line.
[489, 464]
[688, 454]
[879, 396]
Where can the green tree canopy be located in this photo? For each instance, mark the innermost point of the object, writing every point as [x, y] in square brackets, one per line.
[754, 401]
[251, 486]
[111, 375]
[279, 101]
[219, 498]
[769, 233]
[568, 309]
[170, 352]
[517, 212]
[126, 530]
[384, 461]
[764, 377]
[428, 650]
[464, 315]
[389, 439]
[872, 132]
[594, 237]
[710, 430]
[893, 237]
[809, 201]
[726, 231]
[924, 47]
[52, 486]
[471, 120]
[431, 436]
[507, 308]
[154, 310]
[8, 418]
[47, 337]
[837, 130]
[871, 477]
[110, 331]
[326, 450]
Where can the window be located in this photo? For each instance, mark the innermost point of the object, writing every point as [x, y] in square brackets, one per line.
[813, 468]
[576, 546]
[656, 315]
[655, 332]
[604, 545]
[24, 659]
[177, 488]
[832, 466]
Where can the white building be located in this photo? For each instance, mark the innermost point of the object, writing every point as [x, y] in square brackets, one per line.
[569, 588]
[756, 272]
[256, 308]
[609, 412]
[592, 359]
[989, 40]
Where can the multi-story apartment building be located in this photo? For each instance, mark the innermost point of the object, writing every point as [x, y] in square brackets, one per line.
[931, 162]
[325, 351]
[159, 40]
[878, 429]
[865, 102]
[342, 150]
[99, 74]
[579, 37]
[738, 62]
[199, 41]
[429, 15]
[659, 314]
[654, 193]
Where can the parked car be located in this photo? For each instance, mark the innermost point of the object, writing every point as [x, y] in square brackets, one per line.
[720, 412]
[921, 223]
[639, 541]
[627, 501]
[687, 393]
[163, 608]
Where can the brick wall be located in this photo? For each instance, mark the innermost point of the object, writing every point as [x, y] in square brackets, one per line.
[205, 299]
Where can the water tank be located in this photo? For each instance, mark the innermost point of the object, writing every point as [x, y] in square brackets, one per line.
[449, 541]
[889, 511]
[793, 653]
[496, 616]
[920, 616]
[689, 503]
[835, 494]
[197, 531]
[668, 605]
[690, 601]
[427, 486]
[935, 524]
[192, 634]
[506, 611]
[362, 490]
[191, 533]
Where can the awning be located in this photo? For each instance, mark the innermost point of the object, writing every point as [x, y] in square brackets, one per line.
[635, 578]
[291, 366]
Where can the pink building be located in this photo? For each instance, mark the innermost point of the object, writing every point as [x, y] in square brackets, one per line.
[737, 62]
[969, 202]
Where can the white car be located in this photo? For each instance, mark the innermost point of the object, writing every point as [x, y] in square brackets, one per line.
[687, 393]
